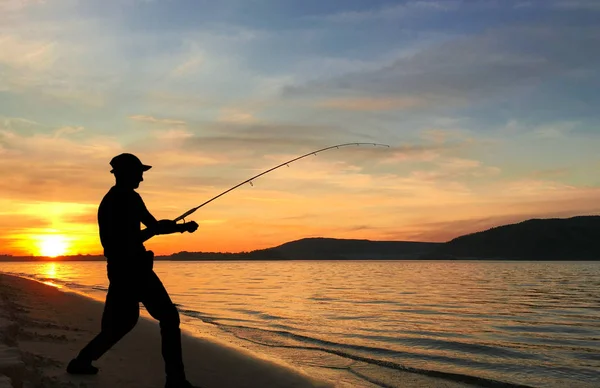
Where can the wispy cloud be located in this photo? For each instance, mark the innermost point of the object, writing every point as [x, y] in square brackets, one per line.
[590, 5]
[235, 115]
[555, 131]
[373, 104]
[72, 161]
[523, 4]
[174, 134]
[64, 131]
[154, 120]
[456, 168]
[188, 67]
[16, 5]
[410, 8]
[34, 55]
[50, 69]
[473, 67]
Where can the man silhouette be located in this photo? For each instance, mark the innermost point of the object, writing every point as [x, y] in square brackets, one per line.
[131, 277]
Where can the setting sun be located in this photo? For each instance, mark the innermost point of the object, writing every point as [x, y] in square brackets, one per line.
[53, 245]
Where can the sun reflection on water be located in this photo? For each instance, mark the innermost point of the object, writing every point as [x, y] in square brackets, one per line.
[50, 272]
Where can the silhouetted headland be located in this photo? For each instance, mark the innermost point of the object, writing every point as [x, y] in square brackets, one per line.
[340, 249]
[536, 239]
[571, 239]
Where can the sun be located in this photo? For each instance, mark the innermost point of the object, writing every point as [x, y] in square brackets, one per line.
[53, 245]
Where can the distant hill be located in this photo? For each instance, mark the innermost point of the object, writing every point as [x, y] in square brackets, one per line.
[320, 248]
[576, 238]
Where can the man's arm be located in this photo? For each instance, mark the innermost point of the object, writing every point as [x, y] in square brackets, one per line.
[154, 227]
[150, 223]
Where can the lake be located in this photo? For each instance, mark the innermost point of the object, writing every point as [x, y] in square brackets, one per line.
[517, 323]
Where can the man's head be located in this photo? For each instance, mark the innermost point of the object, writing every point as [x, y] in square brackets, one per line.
[128, 170]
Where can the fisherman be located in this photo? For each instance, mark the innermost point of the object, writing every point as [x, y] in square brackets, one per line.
[130, 273]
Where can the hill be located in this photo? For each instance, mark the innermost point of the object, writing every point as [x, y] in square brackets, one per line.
[574, 238]
[320, 248]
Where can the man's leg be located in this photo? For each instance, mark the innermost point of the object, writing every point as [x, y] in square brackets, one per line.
[121, 312]
[159, 305]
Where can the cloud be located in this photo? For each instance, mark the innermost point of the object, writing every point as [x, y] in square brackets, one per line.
[235, 115]
[173, 134]
[188, 67]
[372, 104]
[17, 124]
[154, 120]
[441, 136]
[549, 174]
[67, 131]
[43, 66]
[35, 55]
[28, 174]
[472, 68]
[436, 145]
[523, 4]
[452, 168]
[407, 152]
[169, 99]
[405, 10]
[589, 5]
[17, 5]
[240, 135]
[551, 132]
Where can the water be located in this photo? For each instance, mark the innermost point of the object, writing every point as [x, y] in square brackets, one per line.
[518, 323]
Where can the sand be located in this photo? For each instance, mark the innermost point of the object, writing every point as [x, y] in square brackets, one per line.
[42, 328]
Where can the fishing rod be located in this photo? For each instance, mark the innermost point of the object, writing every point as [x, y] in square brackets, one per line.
[249, 180]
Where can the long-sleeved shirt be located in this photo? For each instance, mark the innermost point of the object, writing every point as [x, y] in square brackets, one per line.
[120, 215]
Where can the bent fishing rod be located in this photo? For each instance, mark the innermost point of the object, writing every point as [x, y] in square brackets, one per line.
[249, 180]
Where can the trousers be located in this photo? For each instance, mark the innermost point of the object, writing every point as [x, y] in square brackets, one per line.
[121, 313]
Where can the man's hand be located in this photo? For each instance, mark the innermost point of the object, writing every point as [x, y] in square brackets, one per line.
[189, 227]
[170, 226]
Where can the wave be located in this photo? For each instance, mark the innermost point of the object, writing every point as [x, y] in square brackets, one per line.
[348, 351]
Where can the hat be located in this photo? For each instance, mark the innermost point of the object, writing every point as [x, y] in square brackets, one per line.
[127, 162]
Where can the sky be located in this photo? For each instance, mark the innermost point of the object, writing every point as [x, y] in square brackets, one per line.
[490, 109]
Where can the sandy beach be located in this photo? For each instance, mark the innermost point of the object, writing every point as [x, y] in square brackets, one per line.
[49, 326]
[42, 328]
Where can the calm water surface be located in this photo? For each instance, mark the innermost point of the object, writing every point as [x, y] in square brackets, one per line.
[519, 323]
